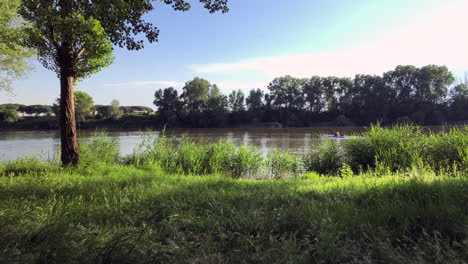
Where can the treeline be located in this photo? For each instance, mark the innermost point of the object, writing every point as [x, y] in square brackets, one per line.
[428, 96]
[85, 110]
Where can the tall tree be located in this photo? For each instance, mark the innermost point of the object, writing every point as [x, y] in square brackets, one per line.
[74, 38]
[84, 105]
[313, 94]
[236, 101]
[254, 101]
[195, 94]
[433, 83]
[287, 92]
[114, 110]
[13, 53]
[168, 104]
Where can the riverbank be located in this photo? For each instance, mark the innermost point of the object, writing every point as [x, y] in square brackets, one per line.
[218, 203]
[143, 122]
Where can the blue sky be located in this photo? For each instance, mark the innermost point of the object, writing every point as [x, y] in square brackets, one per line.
[262, 39]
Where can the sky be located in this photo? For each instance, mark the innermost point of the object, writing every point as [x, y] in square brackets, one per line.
[258, 40]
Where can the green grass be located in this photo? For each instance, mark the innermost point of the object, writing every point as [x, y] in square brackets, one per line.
[125, 214]
[204, 203]
[393, 149]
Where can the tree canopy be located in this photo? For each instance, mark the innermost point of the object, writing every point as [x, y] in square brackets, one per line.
[13, 53]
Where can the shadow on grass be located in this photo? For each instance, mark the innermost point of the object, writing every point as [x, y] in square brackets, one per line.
[139, 217]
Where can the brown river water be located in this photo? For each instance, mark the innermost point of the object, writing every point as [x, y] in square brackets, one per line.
[44, 144]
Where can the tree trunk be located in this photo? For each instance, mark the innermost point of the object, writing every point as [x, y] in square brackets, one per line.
[68, 135]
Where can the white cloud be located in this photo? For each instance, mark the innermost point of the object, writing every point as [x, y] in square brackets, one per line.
[437, 36]
[152, 84]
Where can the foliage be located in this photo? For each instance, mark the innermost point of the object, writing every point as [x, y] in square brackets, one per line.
[236, 101]
[114, 110]
[405, 95]
[168, 104]
[14, 55]
[9, 113]
[326, 158]
[282, 164]
[83, 105]
[36, 109]
[195, 94]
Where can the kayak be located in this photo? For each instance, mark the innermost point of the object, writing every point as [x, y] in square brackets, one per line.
[333, 136]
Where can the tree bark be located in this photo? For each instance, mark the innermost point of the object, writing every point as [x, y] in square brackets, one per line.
[69, 148]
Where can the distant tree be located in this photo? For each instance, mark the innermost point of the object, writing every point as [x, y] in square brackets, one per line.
[74, 38]
[236, 101]
[168, 104]
[313, 94]
[36, 109]
[195, 94]
[215, 110]
[403, 81]
[370, 99]
[13, 53]
[114, 110]
[286, 92]
[214, 91]
[458, 98]
[433, 83]
[102, 111]
[9, 113]
[84, 105]
[254, 101]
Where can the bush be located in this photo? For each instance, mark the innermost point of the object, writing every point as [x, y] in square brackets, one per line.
[326, 158]
[246, 162]
[443, 150]
[281, 164]
[395, 147]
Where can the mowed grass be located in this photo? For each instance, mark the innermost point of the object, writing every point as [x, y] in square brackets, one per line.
[116, 213]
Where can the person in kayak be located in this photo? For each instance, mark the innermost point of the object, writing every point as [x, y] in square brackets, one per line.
[337, 134]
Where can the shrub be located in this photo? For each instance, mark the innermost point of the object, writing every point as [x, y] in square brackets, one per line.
[281, 164]
[326, 158]
[443, 150]
[395, 147]
[246, 162]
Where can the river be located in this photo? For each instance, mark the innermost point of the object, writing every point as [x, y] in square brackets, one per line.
[44, 144]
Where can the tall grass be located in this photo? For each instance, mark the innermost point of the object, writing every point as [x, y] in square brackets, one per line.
[282, 164]
[191, 157]
[393, 149]
[326, 158]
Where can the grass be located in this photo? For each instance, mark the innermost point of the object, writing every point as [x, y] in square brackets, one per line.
[124, 214]
[146, 209]
[395, 149]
